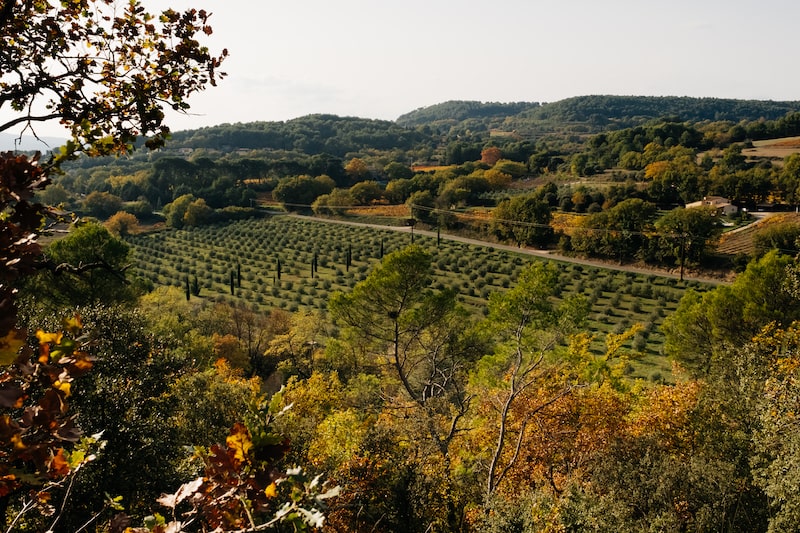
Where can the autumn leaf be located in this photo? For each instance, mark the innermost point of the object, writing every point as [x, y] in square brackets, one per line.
[73, 325]
[59, 466]
[45, 338]
[16, 440]
[185, 490]
[239, 442]
[10, 345]
[63, 386]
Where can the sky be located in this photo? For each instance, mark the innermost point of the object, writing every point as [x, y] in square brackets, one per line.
[383, 58]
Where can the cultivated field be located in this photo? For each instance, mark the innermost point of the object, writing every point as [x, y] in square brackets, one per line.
[776, 150]
[249, 252]
[740, 240]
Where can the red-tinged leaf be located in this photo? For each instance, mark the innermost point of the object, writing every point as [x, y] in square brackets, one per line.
[53, 402]
[8, 484]
[59, 466]
[44, 353]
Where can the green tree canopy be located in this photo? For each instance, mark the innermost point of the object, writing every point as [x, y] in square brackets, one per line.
[299, 191]
[619, 232]
[102, 204]
[85, 267]
[524, 220]
[706, 327]
[688, 232]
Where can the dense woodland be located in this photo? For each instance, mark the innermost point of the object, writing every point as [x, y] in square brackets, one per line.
[172, 362]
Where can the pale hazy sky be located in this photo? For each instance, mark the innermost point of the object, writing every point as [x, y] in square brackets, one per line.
[383, 58]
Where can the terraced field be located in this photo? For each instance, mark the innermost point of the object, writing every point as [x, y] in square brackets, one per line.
[238, 262]
[740, 241]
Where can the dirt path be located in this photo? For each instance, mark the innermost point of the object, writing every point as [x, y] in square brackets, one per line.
[550, 254]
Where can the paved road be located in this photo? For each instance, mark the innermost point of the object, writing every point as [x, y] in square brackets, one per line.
[529, 251]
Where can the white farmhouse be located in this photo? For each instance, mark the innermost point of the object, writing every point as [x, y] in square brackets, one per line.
[723, 206]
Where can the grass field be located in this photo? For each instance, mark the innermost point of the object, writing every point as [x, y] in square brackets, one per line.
[251, 250]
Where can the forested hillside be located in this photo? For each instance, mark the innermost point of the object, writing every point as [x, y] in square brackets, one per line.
[456, 111]
[312, 134]
[596, 112]
[633, 110]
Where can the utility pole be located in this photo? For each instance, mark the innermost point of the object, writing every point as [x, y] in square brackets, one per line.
[683, 252]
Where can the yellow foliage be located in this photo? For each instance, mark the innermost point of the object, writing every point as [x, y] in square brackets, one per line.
[497, 179]
[63, 386]
[656, 169]
[139, 178]
[239, 442]
[73, 325]
[16, 440]
[666, 414]
[566, 222]
[614, 341]
[49, 337]
[10, 345]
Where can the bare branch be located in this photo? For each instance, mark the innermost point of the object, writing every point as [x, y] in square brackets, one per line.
[28, 118]
[100, 264]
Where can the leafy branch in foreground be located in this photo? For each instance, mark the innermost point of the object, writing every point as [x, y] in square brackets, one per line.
[36, 428]
[244, 489]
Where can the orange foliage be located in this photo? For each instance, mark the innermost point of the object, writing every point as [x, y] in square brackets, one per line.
[37, 425]
[564, 439]
[566, 223]
[656, 169]
[665, 415]
[491, 155]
